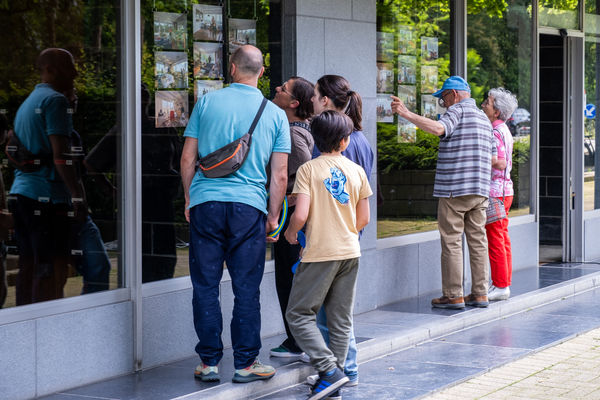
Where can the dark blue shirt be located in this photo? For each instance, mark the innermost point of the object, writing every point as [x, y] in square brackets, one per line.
[358, 151]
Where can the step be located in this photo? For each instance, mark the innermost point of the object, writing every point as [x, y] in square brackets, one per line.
[403, 338]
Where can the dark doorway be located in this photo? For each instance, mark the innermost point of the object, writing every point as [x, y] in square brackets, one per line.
[551, 139]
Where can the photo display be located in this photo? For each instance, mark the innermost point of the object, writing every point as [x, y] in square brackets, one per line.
[171, 108]
[384, 108]
[170, 31]
[207, 22]
[205, 86]
[241, 32]
[385, 77]
[208, 60]
[171, 70]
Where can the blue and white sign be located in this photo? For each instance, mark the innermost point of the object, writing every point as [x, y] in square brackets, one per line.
[590, 111]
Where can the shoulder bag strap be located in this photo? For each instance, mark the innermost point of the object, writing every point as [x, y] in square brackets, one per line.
[258, 114]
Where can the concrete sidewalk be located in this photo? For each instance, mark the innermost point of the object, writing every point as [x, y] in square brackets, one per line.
[406, 349]
[570, 370]
[484, 356]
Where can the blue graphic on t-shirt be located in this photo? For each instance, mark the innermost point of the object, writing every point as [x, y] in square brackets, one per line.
[335, 185]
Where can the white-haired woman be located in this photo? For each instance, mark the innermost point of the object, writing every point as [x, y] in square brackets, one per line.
[498, 107]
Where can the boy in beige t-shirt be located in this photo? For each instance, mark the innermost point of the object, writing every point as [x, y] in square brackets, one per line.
[332, 200]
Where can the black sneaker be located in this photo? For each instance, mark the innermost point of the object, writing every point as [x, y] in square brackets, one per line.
[335, 395]
[328, 384]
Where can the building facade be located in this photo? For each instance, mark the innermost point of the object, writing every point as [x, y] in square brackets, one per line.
[142, 65]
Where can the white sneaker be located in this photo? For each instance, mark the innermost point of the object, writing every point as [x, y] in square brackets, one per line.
[496, 293]
[305, 358]
[312, 379]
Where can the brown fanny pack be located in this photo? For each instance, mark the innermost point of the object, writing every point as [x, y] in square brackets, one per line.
[229, 158]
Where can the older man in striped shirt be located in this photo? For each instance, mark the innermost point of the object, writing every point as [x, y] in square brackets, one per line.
[462, 183]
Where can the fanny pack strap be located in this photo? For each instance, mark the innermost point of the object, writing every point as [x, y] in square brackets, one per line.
[258, 114]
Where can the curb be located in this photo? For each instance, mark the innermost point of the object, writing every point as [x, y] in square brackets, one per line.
[295, 373]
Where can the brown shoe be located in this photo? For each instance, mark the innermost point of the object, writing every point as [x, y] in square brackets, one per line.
[477, 301]
[454, 303]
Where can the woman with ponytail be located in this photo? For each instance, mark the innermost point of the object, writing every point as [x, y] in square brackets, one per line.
[333, 92]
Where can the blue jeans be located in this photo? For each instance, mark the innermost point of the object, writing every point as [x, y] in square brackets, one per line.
[350, 365]
[233, 233]
[93, 264]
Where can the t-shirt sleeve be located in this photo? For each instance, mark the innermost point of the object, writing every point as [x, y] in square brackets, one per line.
[193, 124]
[450, 119]
[301, 150]
[283, 143]
[365, 188]
[302, 185]
[57, 115]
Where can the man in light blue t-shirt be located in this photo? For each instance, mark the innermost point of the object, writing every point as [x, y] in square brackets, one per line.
[228, 216]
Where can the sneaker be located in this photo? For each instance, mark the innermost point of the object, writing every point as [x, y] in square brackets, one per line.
[496, 293]
[335, 395]
[207, 373]
[454, 303]
[312, 379]
[254, 372]
[305, 358]
[477, 301]
[328, 384]
[284, 352]
[352, 380]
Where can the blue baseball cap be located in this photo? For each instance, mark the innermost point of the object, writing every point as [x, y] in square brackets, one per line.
[454, 82]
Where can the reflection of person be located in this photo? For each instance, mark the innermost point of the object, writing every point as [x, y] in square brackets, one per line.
[462, 184]
[227, 214]
[332, 199]
[5, 218]
[498, 107]
[40, 199]
[160, 185]
[93, 262]
[294, 97]
[333, 92]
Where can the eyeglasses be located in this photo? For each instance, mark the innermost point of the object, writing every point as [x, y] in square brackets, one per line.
[441, 100]
[284, 90]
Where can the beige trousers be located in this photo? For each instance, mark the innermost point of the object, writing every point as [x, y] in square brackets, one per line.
[455, 216]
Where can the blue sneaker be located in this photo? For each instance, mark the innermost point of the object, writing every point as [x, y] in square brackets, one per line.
[335, 395]
[328, 383]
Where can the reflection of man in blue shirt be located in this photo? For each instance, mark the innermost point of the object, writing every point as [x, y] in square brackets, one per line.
[40, 200]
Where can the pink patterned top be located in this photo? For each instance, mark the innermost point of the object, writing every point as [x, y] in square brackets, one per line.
[505, 149]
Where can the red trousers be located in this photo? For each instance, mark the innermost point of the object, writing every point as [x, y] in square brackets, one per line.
[499, 249]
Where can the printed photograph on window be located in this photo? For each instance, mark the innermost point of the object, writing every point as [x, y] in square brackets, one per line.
[202, 87]
[207, 22]
[208, 60]
[385, 77]
[241, 32]
[171, 70]
[170, 31]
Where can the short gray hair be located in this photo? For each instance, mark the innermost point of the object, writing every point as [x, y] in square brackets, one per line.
[504, 101]
[248, 60]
